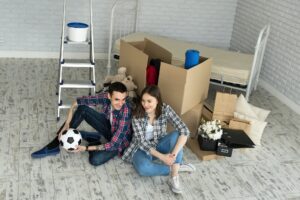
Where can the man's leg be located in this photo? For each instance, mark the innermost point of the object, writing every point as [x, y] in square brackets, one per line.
[95, 119]
[100, 157]
[51, 149]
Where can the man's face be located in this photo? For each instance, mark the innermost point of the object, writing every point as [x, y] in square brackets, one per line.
[117, 99]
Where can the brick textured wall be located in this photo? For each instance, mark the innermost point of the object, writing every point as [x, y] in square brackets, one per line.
[208, 22]
[36, 25]
[281, 64]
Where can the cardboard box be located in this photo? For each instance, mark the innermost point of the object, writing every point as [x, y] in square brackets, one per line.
[193, 144]
[182, 89]
[207, 113]
[192, 119]
[240, 125]
[224, 106]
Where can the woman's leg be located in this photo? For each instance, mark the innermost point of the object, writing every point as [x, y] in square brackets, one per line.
[167, 144]
[145, 166]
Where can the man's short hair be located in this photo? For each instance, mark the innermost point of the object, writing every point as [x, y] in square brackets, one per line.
[117, 87]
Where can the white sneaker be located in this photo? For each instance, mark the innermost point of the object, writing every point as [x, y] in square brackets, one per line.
[175, 184]
[187, 167]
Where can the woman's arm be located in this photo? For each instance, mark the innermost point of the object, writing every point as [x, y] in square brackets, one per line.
[168, 159]
[179, 145]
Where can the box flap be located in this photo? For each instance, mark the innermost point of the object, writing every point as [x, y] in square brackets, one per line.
[224, 106]
[135, 60]
[170, 82]
[155, 51]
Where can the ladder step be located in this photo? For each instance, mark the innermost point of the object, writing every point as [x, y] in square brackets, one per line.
[77, 84]
[67, 41]
[65, 105]
[82, 65]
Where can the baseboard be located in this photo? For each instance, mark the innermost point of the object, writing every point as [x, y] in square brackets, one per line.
[292, 105]
[38, 54]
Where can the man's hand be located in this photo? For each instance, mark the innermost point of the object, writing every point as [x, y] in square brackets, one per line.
[79, 149]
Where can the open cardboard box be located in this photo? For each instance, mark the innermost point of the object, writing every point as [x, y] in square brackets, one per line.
[182, 89]
[192, 120]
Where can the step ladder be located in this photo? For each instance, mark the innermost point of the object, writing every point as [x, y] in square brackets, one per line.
[90, 64]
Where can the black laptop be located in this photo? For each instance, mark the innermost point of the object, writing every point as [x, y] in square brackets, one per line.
[236, 138]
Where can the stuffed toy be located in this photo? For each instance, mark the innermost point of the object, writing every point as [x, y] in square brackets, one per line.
[131, 87]
[120, 76]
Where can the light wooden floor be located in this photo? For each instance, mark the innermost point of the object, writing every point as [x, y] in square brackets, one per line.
[28, 121]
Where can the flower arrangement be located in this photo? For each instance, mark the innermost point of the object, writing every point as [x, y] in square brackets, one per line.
[210, 129]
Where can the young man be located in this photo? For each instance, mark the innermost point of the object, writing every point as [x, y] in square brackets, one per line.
[113, 123]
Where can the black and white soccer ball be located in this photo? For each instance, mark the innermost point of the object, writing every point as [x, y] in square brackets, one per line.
[70, 139]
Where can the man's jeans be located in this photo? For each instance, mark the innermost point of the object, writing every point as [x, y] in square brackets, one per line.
[145, 164]
[102, 125]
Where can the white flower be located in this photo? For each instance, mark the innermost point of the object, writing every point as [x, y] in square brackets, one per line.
[211, 130]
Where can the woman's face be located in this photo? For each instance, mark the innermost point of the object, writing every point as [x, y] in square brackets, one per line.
[149, 103]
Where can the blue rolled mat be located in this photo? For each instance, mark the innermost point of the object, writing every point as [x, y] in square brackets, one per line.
[192, 57]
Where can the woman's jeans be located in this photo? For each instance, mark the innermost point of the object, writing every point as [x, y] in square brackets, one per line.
[98, 121]
[146, 165]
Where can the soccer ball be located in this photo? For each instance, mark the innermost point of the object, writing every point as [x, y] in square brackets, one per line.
[70, 139]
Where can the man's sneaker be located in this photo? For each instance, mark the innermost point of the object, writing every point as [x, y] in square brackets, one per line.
[187, 167]
[45, 152]
[175, 184]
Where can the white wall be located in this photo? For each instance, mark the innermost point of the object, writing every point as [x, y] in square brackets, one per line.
[35, 26]
[281, 65]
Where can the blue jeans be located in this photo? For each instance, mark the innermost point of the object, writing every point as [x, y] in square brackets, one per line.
[99, 122]
[144, 163]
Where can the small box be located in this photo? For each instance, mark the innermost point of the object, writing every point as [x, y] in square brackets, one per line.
[223, 149]
[193, 144]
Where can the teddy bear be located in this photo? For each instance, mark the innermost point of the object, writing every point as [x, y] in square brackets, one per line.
[131, 87]
[119, 77]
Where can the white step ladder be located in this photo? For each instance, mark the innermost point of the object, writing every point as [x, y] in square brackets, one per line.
[90, 64]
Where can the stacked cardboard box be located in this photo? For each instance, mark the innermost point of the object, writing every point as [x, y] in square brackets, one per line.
[184, 90]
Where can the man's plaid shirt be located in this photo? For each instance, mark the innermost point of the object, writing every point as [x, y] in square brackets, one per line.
[159, 131]
[121, 121]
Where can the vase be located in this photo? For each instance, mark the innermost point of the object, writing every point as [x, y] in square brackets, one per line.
[207, 144]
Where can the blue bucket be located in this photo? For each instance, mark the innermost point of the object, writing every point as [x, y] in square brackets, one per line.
[191, 58]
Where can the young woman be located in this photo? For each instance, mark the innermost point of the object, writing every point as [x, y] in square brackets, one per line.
[151, 141]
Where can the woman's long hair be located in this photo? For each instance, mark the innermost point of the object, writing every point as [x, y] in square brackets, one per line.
[153, 91]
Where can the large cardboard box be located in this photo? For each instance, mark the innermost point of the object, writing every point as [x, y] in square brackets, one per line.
[182, 89]
[192, 120]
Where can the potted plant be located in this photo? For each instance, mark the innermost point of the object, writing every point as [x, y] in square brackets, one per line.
[209, 132]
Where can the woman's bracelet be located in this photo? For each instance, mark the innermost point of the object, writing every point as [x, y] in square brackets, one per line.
[87, 148]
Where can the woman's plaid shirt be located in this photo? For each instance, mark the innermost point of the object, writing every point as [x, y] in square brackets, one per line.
[159, 130]
[121, 121]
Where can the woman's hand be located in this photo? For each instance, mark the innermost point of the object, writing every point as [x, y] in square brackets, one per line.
[168, 159]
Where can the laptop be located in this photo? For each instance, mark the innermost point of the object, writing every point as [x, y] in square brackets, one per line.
[236, 138]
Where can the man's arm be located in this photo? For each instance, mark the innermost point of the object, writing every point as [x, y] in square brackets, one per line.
[92, 100]
[119, 134]
[69, 118]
